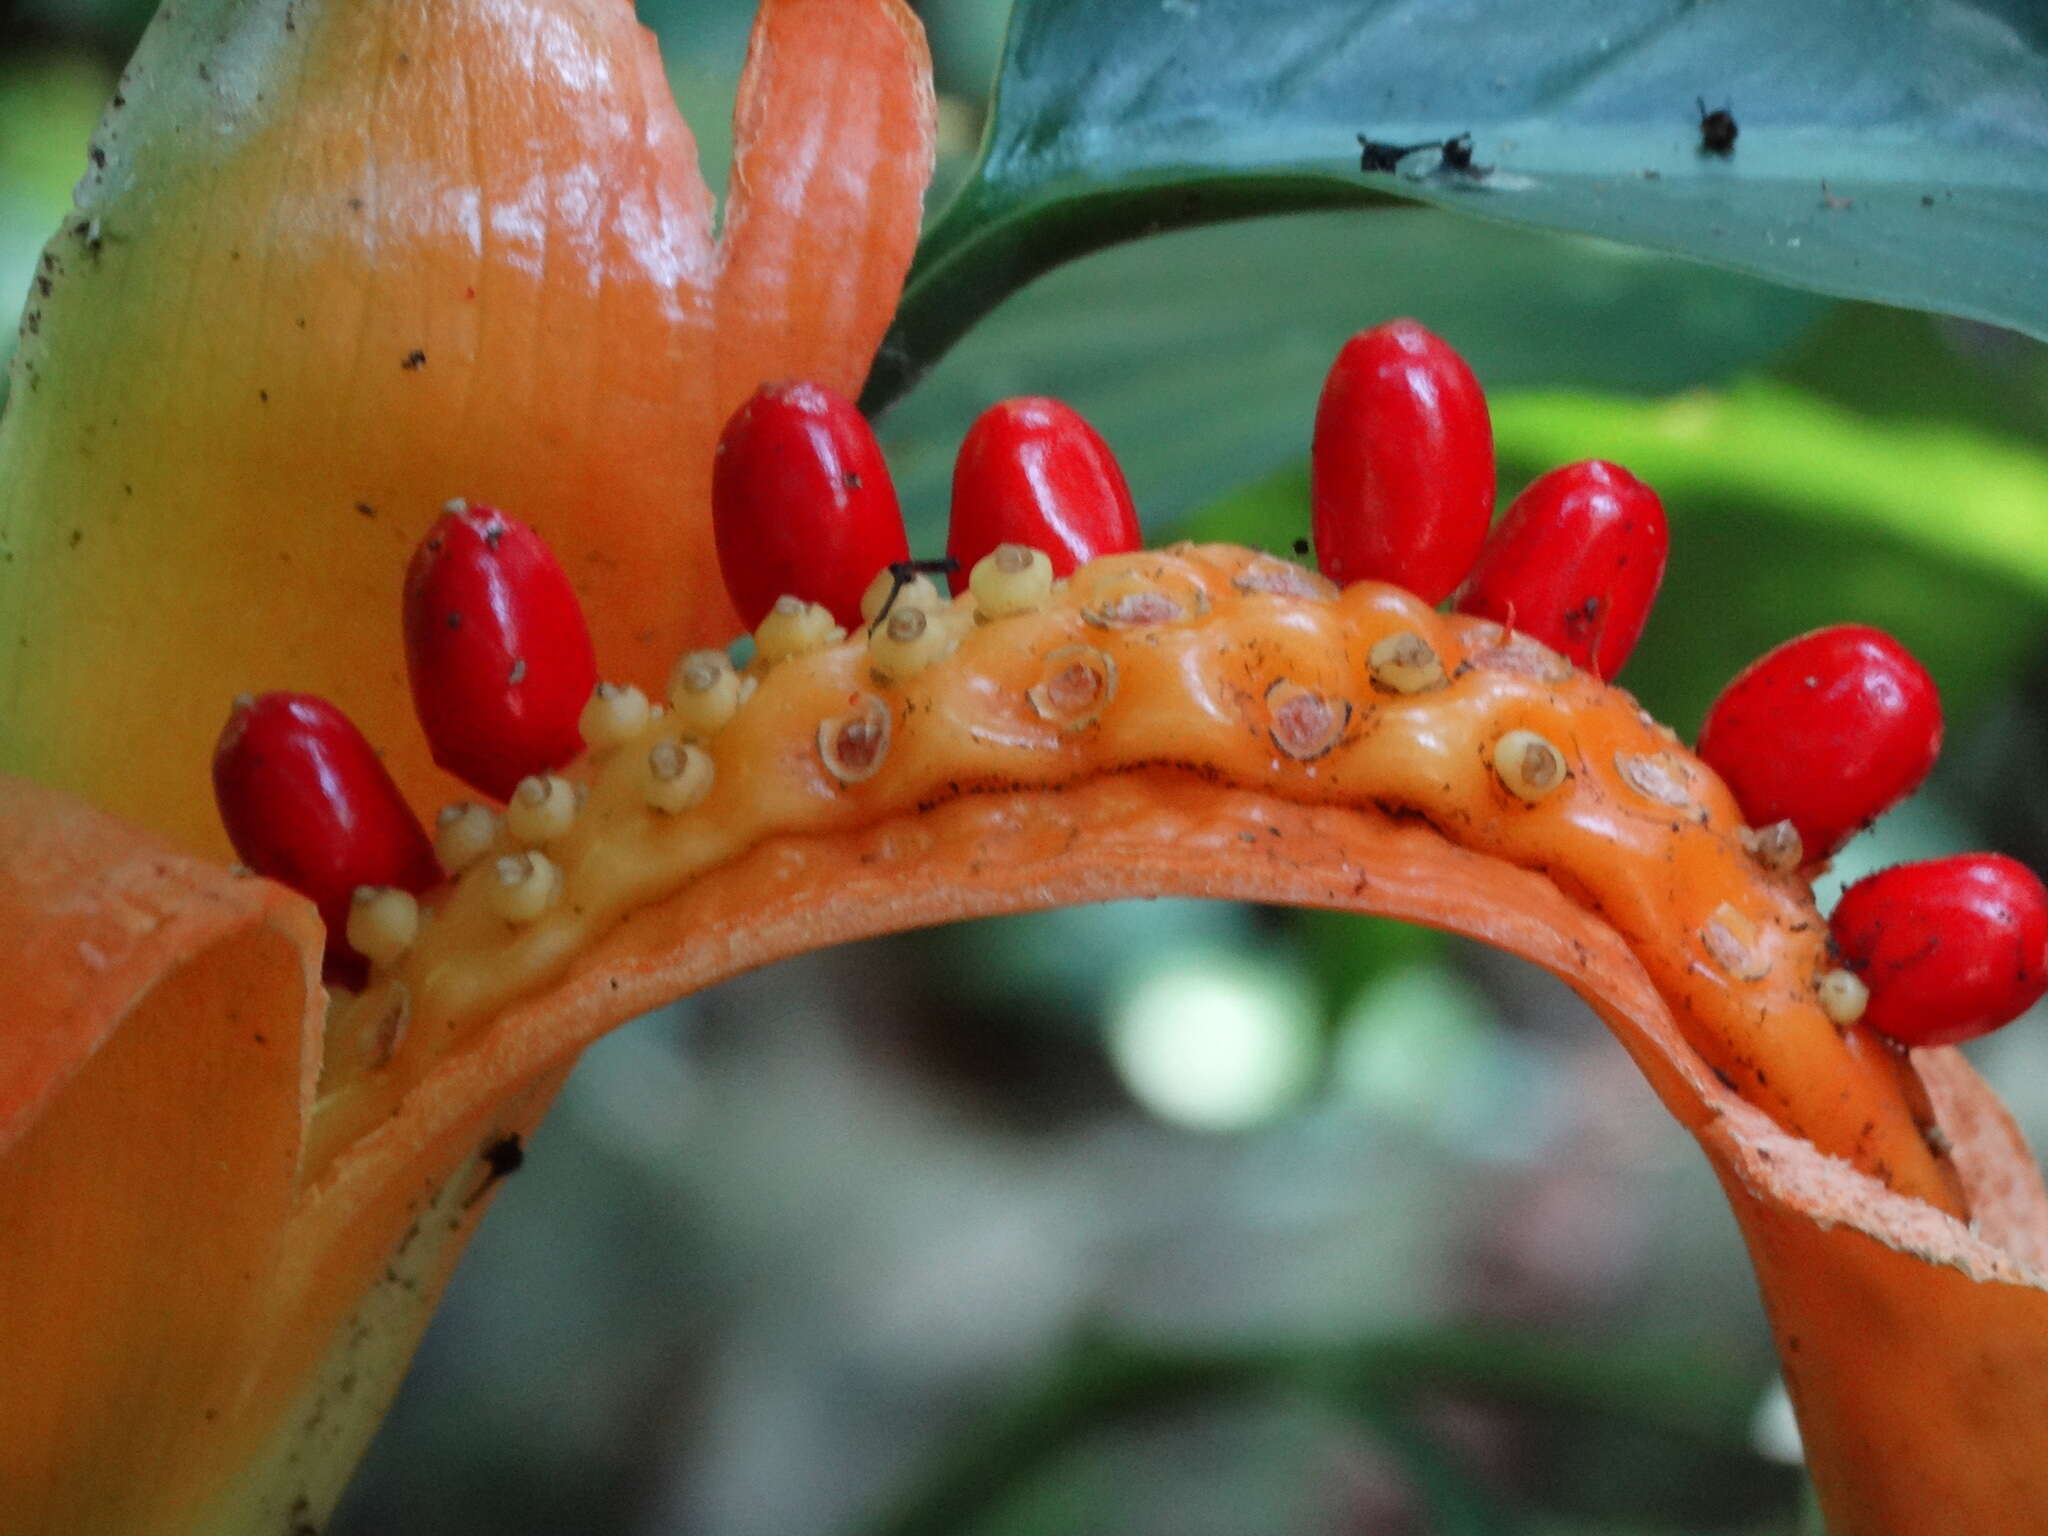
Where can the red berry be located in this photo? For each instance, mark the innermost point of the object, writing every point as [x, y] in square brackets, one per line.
[802, 503]
[1950, 949]
[1401, 472]
[307, 802]
[1576, 563]
[499, 653]
[1032, 471]
[1827, 731]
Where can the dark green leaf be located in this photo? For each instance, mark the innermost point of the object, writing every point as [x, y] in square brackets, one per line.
[1199, 354]
[1896, 153]
[1922, 369]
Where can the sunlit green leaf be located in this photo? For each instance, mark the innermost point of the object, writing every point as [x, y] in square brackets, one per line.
[1961, 494]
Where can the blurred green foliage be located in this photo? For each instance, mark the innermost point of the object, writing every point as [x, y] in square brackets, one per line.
[49, 101]
[788, 1257]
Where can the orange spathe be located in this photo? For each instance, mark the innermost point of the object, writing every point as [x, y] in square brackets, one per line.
[344, 262]
[156, 1067]
[1858, 1279]
[331, 265]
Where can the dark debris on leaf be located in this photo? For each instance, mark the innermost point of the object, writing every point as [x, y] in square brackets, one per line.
[1717, 130]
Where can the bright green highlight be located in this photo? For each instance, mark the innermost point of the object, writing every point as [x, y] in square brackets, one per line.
[1965, 495]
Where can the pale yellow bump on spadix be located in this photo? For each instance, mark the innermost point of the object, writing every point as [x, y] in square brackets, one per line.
[1528, 765]
[523, 885]
[1843, 996]
[613, 717]
[909, 640]
[383, 921]
[463, 833]
[1404, 662]
[1011, 578]
[541, 809]
[794, 627]
[679, 776]
[916, 591]
[705, 692]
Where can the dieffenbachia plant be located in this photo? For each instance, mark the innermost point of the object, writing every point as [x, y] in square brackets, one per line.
[335, 264]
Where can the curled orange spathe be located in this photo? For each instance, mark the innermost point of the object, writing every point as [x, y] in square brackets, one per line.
[330, 266]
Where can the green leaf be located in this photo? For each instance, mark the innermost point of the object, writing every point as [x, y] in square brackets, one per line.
[1923, 369]
[1199, 354]
[1957, 493]
[48, 104]
[1896, 153]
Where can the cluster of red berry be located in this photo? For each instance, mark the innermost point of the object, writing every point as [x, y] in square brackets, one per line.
[1815, 740]
[502, 669]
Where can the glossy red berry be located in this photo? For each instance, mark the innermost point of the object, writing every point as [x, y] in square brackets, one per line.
[307, 802]
[802, 503]
[1032, 471]
[1827, 731]
[1950, 948]
[1575, 563]
[498, 650]
[1401, 470]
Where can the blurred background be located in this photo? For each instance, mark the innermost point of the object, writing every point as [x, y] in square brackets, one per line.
[1192, 1219]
